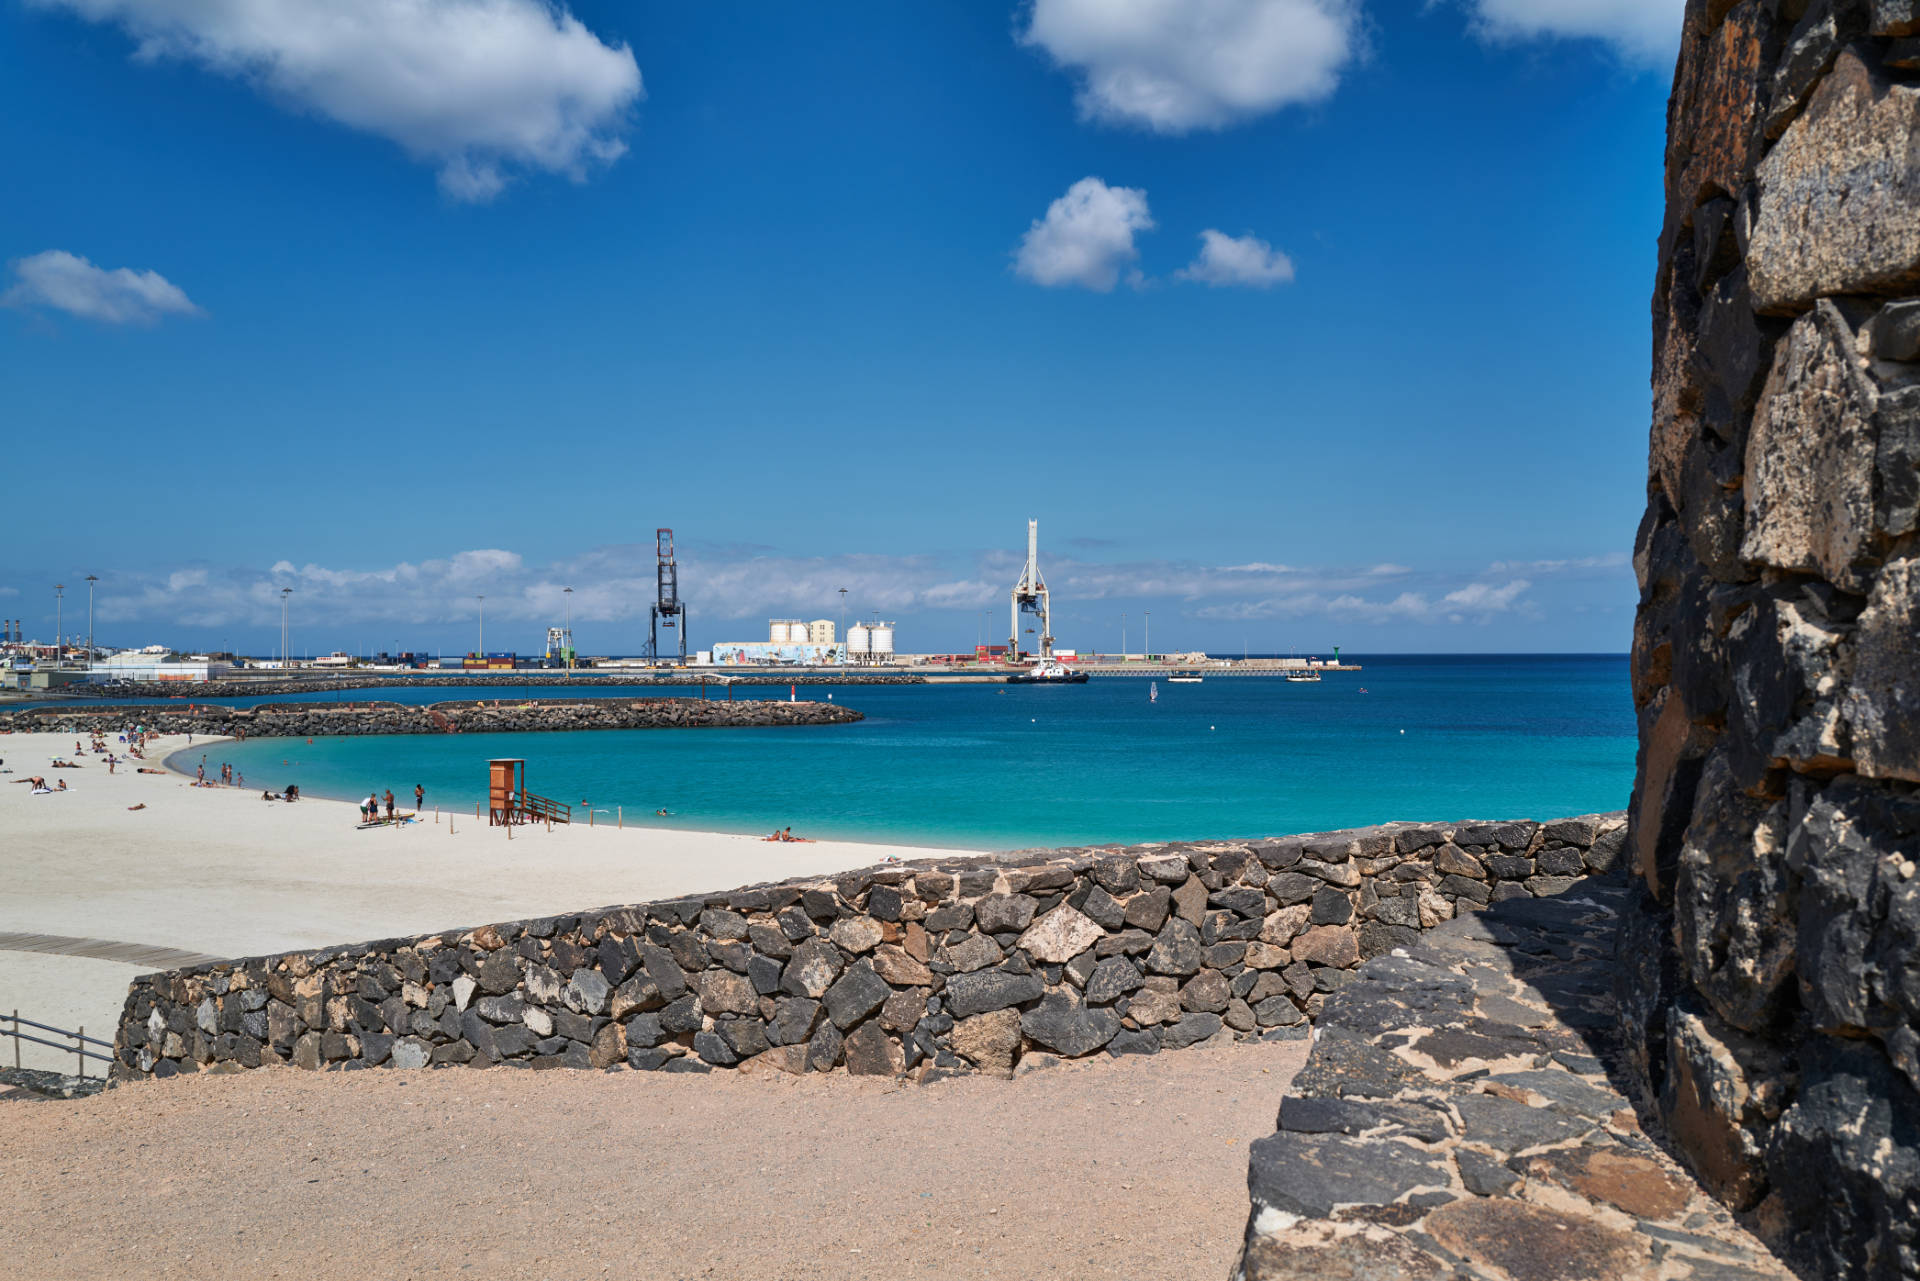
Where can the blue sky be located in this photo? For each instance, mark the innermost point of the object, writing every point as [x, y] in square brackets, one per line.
[1297, 322]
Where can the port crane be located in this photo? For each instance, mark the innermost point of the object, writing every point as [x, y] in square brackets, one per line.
[667, 610]
[1030, 596]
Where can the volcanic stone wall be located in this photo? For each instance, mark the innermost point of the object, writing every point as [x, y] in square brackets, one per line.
[951, 964]
[1770, 974]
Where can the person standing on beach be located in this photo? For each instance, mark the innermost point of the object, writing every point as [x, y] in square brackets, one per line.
[419, 797]
[389, 804]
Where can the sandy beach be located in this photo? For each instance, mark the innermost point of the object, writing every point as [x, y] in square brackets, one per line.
[219, 871]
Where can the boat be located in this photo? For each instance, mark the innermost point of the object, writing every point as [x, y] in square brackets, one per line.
[1303, 678]
[1048, 672]
[1184, 678]
[1153, 691]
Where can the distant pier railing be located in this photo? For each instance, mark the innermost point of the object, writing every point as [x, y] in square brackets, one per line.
[79, 1038]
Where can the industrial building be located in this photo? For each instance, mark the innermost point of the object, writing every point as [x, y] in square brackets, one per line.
[870, 642]
[136, 665]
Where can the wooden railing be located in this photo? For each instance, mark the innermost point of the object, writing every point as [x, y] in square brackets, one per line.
[542, 809]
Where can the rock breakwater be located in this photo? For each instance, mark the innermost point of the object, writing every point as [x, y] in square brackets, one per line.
[314, 720]
[947, 964]
[270, 686]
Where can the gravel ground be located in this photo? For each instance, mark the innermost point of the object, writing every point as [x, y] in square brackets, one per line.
[1133, 1168]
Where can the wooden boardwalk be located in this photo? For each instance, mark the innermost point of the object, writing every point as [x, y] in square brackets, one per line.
[157, 958]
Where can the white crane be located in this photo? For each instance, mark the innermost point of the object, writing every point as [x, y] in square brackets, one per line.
[1030, 595]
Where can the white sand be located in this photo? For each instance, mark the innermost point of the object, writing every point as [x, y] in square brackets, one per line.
[218, 870]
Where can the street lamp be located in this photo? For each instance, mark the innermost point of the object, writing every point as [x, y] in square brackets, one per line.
[569, 630]
[483, 625]
[91, 580]
[1146, 641]
[59, 590]
[843, 615]
[284, 593]
[1123, 638]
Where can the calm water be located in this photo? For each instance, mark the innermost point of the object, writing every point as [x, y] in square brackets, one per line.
[1002, 767]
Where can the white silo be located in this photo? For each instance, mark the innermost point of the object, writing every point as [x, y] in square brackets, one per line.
[858, 637]
[883, 639]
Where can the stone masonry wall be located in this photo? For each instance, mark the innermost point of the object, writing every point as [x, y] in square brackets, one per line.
[1769, 975]
[948, 964]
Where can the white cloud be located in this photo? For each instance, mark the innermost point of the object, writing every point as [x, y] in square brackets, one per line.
[1641, 31]
[480, 88]
[69, 283]
[1476, 602]
[1241, 260]
[1176, 65]
[1086, 237]
[1577, 565]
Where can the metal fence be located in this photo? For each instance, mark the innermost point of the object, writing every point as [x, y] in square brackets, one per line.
[79, 1038]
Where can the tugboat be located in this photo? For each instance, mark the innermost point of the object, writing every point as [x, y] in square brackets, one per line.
[1048, 672]
[1184, 678]
[1303, 677]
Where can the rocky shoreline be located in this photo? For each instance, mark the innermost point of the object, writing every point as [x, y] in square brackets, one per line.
[331, 720]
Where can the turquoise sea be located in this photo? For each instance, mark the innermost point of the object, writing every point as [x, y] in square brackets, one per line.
[994, 766]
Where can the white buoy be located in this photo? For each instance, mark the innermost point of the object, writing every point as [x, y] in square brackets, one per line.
[1403, 731]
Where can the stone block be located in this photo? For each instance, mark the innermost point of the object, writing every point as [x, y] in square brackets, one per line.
[1068, 1027]
[1004, 913]
[858, 993]
[989, 990]
[1882, 704]
[1331, 945]
[989, 1041]
[1060, 935]
[1839, 207]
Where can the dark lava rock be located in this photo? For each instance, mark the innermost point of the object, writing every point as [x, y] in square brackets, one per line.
[1311, 1174]
[1509, 1126]
[987, 990]
[1063, 1024]
[1192, 1028]
[1176, 950]
[858, 993]
[1112, 979]
[1483, 1175]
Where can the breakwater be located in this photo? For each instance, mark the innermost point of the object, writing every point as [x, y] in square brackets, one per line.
[946, 964]
[314, 720]
[268, 687]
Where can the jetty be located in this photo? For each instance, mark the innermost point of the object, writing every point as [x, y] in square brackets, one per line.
[334, 720]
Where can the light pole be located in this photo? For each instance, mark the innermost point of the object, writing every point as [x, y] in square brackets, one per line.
[91, 580]
[59, 590]
[1123, 638]
[1146, 641]
[284, 593]
[483, 625]
[843, 615]
[569, 630]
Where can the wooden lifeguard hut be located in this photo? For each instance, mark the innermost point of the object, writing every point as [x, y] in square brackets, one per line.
[509, 801]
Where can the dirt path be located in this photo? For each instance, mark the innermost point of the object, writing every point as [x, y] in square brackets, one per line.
[1124, 1168]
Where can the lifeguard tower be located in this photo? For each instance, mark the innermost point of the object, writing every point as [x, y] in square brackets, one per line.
[509, 801]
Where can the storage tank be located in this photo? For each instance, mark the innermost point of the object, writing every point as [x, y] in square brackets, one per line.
[787, 631]
[883, 638]
[857, 638]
